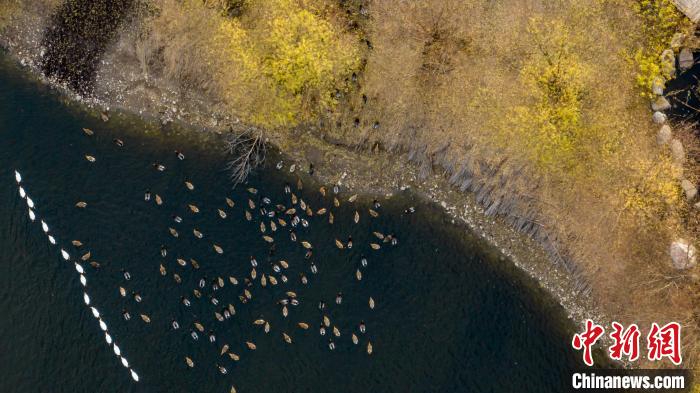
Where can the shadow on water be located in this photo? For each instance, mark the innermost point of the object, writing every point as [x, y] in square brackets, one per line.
[449, 317]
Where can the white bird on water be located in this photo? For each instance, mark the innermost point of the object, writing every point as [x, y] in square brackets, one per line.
[32, 216]
[79, 268]
[44, 226]
[52, 240]
[117, 351]
[95, 312]
[134, 375]
[30, 202]
[65, 255]
[22, 193]
[83, 280]
[103, 325]
[125, 362]
[18, 177]
[108, 338]
[86, 298]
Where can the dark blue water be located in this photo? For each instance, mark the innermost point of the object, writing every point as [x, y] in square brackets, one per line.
[449, 316]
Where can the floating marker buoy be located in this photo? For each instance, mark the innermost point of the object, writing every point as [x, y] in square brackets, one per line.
[22, 194]
[32, 216]
[86, 298]
[30, 202]
[65, 255]
[117, 351]
[18, 177]
[44, 226]
[134, 375]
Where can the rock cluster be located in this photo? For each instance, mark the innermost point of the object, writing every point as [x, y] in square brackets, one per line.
[683, 254]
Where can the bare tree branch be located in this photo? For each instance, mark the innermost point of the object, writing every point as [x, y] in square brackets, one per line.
[247, 150]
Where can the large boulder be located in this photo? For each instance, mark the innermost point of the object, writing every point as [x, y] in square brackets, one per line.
[668, 62]
[683, 254]
[657, 86]
[685, 59]
[664, 135]
[689, 189]
[677, 151]
[658, 117]
[660, 104]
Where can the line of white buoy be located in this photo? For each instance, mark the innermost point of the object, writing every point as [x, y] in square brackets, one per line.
[83, 280]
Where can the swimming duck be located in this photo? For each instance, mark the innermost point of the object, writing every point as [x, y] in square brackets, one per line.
[81, 205]
[179, 155]
[90, 158]
[118, 142]
[189, 362]
[189, 185]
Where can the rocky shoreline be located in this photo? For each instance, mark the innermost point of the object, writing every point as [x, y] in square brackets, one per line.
[120, 85]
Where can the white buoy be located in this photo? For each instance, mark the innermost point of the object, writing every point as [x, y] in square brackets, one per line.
[18, 177]
[32, 216]
[134, 375]
[22, 193]
[117, 351]
[79, 268]
[86, 298]
[65, 255]
[108, 338]
[44, 226]
[30, 202]
[125, 362]
[52, 240]
[95, 312]
[83, 280]
[103, 325]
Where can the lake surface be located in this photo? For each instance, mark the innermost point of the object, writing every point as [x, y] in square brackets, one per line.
[449, 315]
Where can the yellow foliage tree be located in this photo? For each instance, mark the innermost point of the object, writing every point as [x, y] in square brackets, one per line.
[551, 127]
[660, 20]
[289, 62]
[655, 191]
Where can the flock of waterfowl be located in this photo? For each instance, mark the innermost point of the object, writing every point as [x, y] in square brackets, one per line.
[287, 220]
[31, 210]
